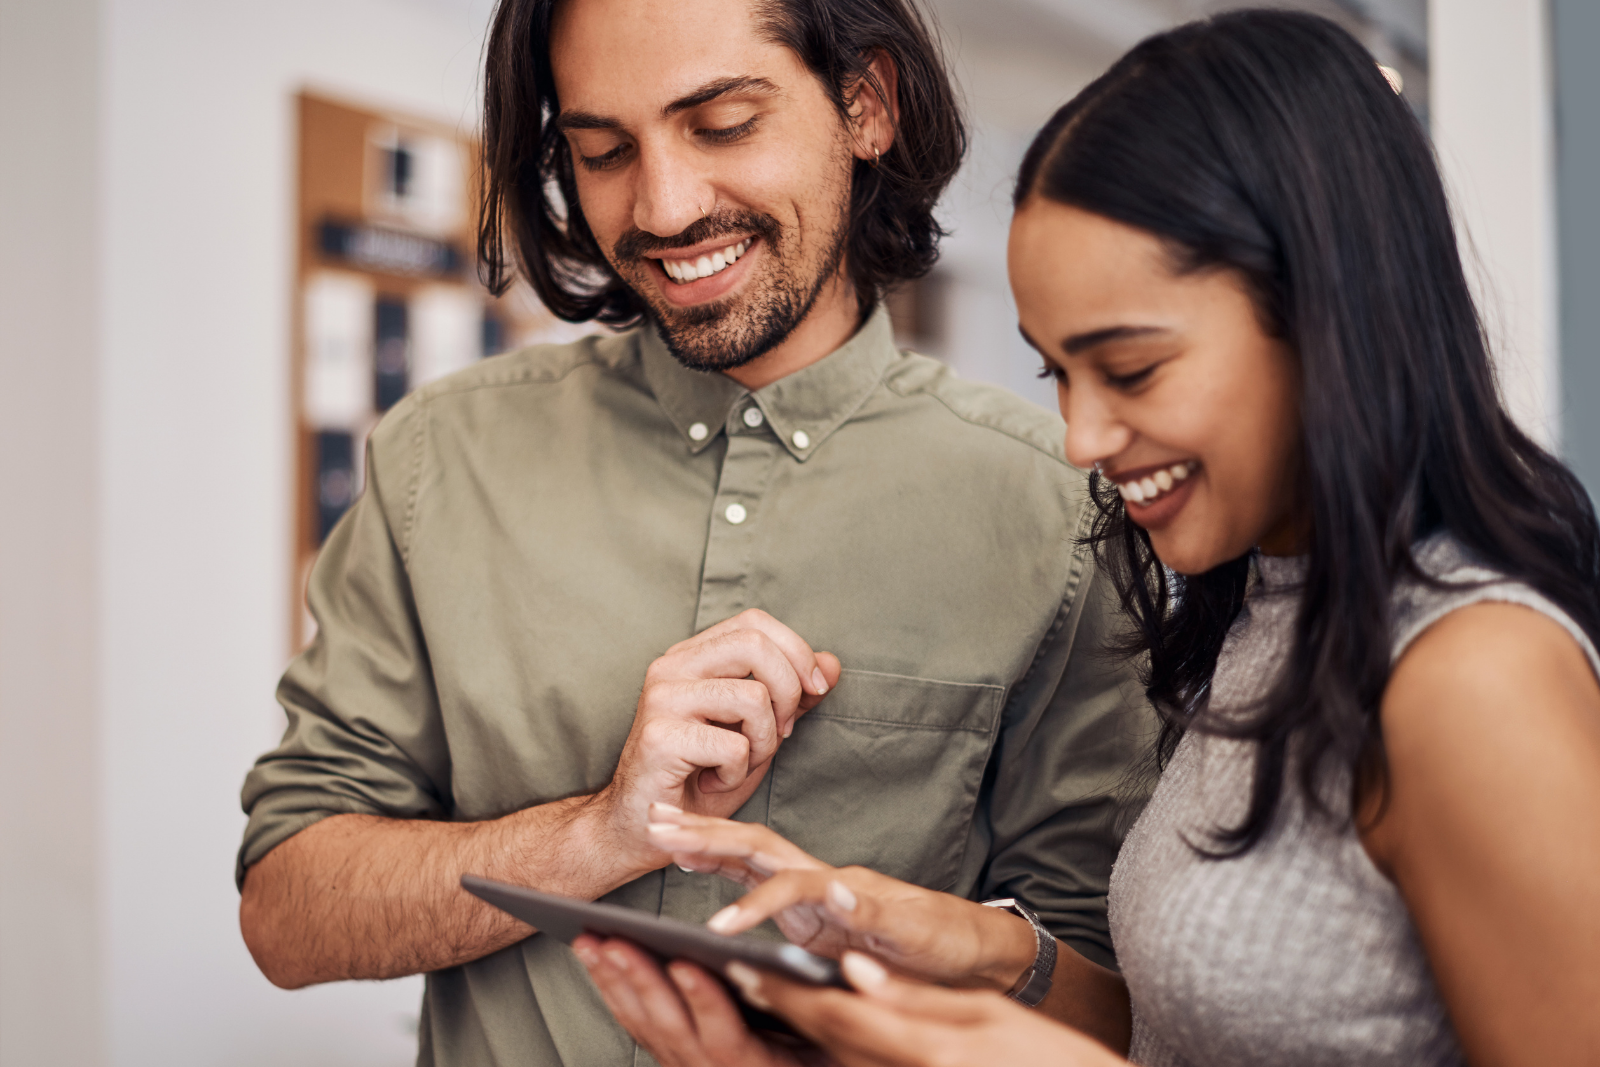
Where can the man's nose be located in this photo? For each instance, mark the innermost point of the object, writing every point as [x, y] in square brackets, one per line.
[673, 191]
[1094, 433]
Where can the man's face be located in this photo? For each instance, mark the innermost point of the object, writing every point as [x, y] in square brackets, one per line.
[711, 166]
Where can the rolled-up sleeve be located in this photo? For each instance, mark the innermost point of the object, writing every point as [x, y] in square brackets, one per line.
[364, 732]
[1066, 778]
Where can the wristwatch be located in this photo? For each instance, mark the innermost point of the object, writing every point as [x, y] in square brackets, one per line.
[1035, 982]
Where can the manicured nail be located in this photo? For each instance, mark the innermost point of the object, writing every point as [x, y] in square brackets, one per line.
[663, 828]
[840, 897]
[685, 979]
[686, 870]
[819, 681]
[788, 728]
[749, 983]
[587, 954]
[864, 972]
[619, 959]
[664, 806]
[723, 920]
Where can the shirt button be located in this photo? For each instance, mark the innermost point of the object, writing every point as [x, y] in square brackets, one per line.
[735, 513]
[801, 439]
[698, 431]
[753, 417]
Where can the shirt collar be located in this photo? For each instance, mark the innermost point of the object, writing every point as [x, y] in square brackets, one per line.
[802, 409]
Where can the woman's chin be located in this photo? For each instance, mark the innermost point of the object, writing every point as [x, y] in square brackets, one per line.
[1187, 556]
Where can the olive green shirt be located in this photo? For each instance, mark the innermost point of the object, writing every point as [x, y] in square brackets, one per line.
[537, 529]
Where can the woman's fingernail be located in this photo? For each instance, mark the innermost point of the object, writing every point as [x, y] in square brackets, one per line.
[819, 680]
[749, 983]
[840, 897]
[618, 958]
[664, 806]
[788, 728]
[586, 954]
[864, 972]
[723, 920]
[662, 828]
[686, 870]
[685, 979]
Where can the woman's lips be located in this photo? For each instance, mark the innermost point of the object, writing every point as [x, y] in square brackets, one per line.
[1173, 485]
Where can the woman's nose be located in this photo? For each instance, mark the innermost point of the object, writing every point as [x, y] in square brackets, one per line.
[1094, 433]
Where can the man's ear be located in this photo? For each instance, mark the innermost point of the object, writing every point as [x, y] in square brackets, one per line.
[875, 108]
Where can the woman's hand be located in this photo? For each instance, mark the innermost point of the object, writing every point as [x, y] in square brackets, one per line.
[893, 1023]
[683, 1017]
[827, 910]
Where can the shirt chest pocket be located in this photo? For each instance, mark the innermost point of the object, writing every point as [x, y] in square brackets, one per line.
[885, 773]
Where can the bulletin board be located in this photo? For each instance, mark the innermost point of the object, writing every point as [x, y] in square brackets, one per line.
[387, 297]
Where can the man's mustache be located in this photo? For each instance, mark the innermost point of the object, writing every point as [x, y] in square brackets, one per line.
[635, 244]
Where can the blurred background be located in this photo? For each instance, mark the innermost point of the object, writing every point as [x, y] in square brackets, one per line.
[231, 234]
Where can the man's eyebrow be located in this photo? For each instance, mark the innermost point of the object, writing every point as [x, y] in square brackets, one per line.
[1082, 342]
[585, 120]
[741, 84]
[744, 85]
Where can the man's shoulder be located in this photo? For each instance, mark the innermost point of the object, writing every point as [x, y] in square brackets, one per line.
[1010, 418]
[542, 364]
[532, 366]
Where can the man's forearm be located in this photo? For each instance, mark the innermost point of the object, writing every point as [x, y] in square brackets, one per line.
[358, 896]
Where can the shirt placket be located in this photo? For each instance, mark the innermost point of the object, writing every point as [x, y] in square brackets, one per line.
[724, 592]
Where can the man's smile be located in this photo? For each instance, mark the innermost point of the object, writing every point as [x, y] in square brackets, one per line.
[704, 272]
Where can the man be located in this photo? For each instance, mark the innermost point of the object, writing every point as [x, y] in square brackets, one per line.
[755, 464]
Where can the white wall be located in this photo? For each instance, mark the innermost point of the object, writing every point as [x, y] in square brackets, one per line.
[197, 197]
[1492, 122]
[51, 1003]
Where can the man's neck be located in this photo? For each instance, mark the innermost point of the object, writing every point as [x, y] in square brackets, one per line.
[833, 320]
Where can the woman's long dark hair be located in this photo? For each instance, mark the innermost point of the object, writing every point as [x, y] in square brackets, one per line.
[530, 198]
[1269, 143]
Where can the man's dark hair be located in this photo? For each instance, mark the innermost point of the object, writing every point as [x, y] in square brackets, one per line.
[1267, 143]
[530, 199]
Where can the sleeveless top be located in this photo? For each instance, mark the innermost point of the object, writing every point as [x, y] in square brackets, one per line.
[1299, 951]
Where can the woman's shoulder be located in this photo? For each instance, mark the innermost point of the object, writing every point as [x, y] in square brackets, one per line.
[1455, 579]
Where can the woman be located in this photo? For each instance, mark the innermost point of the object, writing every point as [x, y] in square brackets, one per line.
[1370, 606]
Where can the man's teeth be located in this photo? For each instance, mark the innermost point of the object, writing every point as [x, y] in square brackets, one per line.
[688, 270]
[1145, 490]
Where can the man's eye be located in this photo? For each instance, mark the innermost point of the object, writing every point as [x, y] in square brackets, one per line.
[731, 133]
[606, 161]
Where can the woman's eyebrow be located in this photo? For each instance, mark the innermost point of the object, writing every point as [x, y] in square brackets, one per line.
[1082, 342]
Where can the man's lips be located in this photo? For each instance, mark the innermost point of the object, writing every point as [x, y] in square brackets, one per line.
[703, 289]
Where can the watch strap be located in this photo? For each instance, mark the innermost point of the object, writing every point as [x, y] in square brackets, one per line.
[1034, 984]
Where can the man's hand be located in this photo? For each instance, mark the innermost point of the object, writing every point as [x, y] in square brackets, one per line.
[360, 896]
[687, 1020]
[713, 711]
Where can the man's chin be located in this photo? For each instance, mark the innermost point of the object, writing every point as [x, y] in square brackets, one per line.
[720, 336]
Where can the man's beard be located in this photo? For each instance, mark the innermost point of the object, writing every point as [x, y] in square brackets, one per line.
[722, 335]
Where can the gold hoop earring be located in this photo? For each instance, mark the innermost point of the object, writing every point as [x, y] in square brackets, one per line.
[877, 156]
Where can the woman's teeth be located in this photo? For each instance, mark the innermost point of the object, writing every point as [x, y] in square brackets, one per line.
[688, 270]
[1151, 487]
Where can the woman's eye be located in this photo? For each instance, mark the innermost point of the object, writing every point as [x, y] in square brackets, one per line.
[606, 161]
[730, 133]
[1130, 381]
[1050, 370]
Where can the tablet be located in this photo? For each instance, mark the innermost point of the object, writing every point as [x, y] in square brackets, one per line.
[565, 918]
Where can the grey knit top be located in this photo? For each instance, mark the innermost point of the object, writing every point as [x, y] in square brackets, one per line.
[1299, 951]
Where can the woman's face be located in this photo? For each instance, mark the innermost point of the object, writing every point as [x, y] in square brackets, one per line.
[1167, 381]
